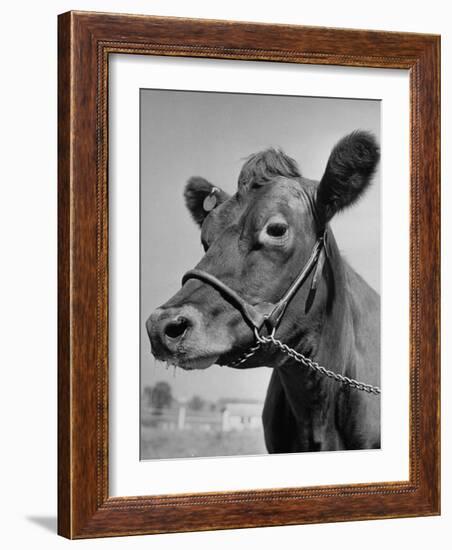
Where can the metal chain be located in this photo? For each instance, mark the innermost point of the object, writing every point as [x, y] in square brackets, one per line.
[302, 359]
[249, 353]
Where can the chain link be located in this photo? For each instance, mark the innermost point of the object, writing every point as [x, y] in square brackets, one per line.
[305, 361]
[249, 353]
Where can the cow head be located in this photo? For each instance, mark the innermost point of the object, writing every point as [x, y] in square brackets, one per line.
[256, 242]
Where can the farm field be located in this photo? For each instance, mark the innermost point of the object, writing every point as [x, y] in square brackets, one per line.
[157, 442]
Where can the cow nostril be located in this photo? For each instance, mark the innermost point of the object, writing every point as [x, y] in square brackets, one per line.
[175, 329]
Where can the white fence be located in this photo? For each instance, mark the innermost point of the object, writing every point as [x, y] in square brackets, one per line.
[183, 418]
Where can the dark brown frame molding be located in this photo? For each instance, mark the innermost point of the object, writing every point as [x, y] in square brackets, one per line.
[85, 41]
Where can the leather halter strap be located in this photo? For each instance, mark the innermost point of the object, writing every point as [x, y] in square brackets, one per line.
[265, 312]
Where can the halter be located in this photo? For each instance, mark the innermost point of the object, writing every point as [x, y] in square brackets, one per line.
[266, 313]
[269, 314]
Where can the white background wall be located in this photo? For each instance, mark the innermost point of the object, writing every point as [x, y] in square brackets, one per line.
[28, 270]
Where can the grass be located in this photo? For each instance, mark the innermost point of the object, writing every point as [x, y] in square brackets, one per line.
[161, 443]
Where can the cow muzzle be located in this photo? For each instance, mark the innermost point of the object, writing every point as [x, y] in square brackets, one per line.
[178, 336]
[167, 329]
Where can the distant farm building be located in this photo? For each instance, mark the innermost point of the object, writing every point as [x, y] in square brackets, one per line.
[227, 415]
[242, 415]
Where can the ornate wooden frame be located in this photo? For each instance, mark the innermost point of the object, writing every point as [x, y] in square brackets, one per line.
[84, 44]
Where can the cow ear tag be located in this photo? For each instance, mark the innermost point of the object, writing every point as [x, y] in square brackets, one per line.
[210, 201]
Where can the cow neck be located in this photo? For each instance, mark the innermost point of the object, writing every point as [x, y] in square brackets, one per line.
[322, 335]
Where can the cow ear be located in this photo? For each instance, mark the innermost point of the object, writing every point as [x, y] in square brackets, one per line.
[348, 173]
[201, 197]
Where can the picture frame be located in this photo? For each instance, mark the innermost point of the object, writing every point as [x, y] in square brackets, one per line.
[85, 42]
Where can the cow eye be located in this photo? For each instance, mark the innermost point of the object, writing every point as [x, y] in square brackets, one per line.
[276, 229]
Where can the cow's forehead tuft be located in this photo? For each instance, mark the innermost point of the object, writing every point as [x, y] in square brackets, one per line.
[264, 167]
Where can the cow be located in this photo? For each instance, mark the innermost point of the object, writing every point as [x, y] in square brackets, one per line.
[269, 240]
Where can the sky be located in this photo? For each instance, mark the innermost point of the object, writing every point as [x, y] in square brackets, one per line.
[186, 133]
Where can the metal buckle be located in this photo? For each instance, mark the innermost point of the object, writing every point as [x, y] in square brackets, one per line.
[264, 339]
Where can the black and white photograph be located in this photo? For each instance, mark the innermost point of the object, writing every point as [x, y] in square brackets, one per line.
[260, 234]
[224, 234]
